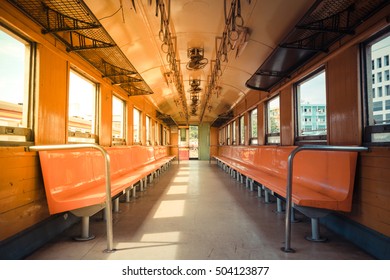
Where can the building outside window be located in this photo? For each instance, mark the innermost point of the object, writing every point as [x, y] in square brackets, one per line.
[273, 121]
[82, 109]
[311, 107]
[118, 121]
[148, 126]
[377, 94]
[17, 56]
[136, 126]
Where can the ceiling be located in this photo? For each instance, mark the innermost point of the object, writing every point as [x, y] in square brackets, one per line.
[198, 25]
[196, 59]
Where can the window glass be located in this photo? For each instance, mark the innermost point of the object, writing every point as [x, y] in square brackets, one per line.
[82, 109]
[15, 73]
[228, 134]
[148, 126]
[377, 105]
[311, 107]
[118, 120]
[242, 130]
[136, 125]
[253, 127]
[234, 134]
[273, 120]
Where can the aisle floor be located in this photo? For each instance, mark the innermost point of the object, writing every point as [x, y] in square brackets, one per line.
[195, 211]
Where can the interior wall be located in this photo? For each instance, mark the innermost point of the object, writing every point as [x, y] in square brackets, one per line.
[22, 195]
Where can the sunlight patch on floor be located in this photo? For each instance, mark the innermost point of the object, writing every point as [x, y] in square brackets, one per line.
[170, 208]
[180, 179]
[179, 189]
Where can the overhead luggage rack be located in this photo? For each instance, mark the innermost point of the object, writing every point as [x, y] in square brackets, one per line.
[326, 22]
[72, 23]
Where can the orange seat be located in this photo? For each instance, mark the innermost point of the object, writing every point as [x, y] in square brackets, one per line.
[75, 179]
[321, 179]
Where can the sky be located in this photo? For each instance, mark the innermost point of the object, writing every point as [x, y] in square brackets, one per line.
[11, 66]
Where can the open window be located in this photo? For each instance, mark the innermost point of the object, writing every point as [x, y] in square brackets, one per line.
[273, 121]
[17, 60]
[118, 121]
[253, 137]
[242, 130]
[311, 110]
[376, 88]
[136, 126]
[82, 109]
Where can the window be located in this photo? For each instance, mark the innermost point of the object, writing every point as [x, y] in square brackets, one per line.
[242, 130]
[377, 123]
[228, 133]
[377, 106]
[379, 62]
[273, 121]
[380, 93]
[387, 104]
[136, 126]
[118, 121]
[379, 77]
[156, 137]
[17, 57]
[234, 135]
[148, 125]
[82, 109]
[253, 127]
[311, 107]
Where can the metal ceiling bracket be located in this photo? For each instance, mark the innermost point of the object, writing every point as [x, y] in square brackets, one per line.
[339, 22]
[58, 22]
[314, 42]
[79, 42]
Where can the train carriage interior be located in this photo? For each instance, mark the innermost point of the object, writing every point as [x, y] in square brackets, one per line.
[194, 129]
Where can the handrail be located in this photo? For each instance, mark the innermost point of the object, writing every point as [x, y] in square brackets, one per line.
[287, 248]
[108, 212]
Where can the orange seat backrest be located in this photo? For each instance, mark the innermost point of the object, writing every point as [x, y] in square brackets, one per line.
[69, 171]
[327, 172]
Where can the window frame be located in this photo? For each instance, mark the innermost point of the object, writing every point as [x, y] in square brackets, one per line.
[30, 76]
[269, 135]
[241, 128]
[253, 139]
[117, 140]
[139, 142]
[312, 139]
[78, 136]
[371, 130]
[148, 129]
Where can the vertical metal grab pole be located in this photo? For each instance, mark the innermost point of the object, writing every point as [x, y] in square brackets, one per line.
[108, 209]
[287, 240]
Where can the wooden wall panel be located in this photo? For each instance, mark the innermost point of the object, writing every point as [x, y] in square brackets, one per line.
[22, 197]
[52, 98]
[343, 103]
[286, 117]
[371, 201]
[105, 118]
[261, 124]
